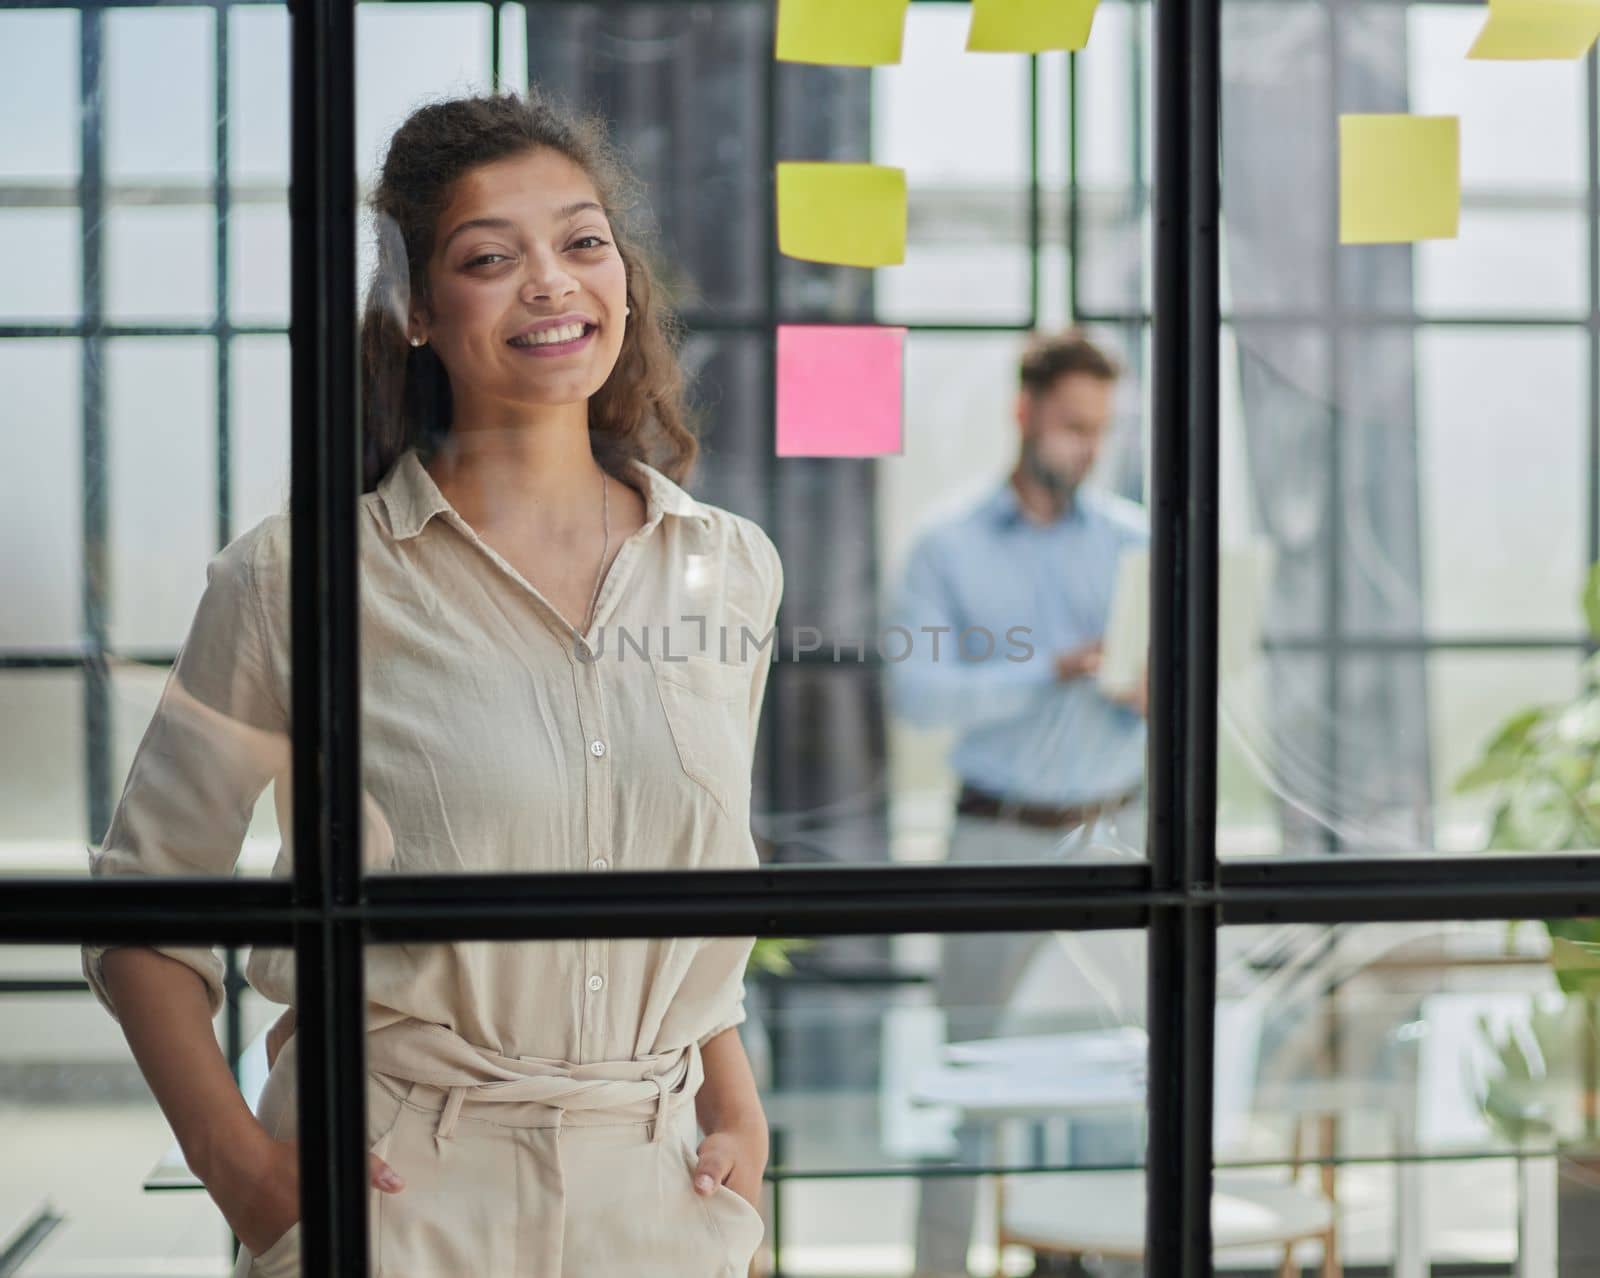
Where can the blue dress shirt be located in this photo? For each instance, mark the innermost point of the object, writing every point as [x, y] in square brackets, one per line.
[1022, 732]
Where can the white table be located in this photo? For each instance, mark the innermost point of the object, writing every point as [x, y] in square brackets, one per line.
[1103, 1071]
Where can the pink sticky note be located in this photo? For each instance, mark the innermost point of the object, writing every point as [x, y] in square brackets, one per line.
[841, 390]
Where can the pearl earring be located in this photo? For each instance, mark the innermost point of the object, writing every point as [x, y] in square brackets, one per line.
[627, 310]
[416, 341]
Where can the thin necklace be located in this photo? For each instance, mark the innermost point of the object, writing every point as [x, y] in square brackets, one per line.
[605, 545]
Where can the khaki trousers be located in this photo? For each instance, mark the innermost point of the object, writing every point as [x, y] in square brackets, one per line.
[502, 1187]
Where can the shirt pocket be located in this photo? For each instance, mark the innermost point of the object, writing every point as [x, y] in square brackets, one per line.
[707, 705]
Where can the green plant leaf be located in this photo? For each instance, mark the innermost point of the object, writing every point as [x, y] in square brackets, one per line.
[1579, 723]
[1492, 770]
[1591, 599]
[1541, 815]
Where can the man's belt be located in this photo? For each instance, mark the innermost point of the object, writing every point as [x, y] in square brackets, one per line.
[975, 802]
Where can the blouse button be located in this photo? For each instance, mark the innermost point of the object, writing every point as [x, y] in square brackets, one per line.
[599, 863]
[597, 747]
[596, 981]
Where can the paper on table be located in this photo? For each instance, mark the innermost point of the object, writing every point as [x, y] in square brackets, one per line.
[1536, 30]
[1399, 178]
[841, 390]
[1124, 648]
[846, 33]
[1029, 26]
[844, 214]
[1245, 576]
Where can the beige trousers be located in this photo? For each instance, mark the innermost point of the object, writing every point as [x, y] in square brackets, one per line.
[525, 1189]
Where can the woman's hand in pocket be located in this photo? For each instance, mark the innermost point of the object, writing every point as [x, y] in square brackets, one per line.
[259, 1195]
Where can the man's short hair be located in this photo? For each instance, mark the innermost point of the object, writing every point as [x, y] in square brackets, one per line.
[1050, 357]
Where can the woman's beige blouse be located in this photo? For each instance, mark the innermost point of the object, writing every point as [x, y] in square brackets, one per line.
[495, 739]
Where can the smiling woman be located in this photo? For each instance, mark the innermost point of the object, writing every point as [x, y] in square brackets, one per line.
[524, 447]
[499, 218]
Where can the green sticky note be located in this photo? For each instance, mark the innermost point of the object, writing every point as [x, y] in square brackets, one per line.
[1029, 26]
[1533, 30]
[845, 214]
[846, 33]
[1399, 178]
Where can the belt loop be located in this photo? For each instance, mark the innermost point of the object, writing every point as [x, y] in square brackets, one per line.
[661, 1109]
[448, 1115]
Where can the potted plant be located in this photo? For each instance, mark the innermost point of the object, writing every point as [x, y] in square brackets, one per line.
[1543, 766]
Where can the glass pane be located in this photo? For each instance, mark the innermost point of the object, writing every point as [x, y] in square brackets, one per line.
[1503, 546]
[513, 69]
[160, 104]
[39, 94]
[42, 821]
[1113, 163]
[878, 1098]
[144, 647]
[534, 756]
[258, 246]
[161, 264]
[1472, 696]
[162, 468]
[1523, 124]
[1373, 534]
[957, 123]
[258, 95]
[40, 260]
[41, 523]
[1490, 268]
[1416, 1096]
[405, 53]
[986, 718]
[93, 1156]
[259, 449]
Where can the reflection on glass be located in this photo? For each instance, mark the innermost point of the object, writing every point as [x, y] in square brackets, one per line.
[1435, 1083]
[1362, 445]
[1018, 625]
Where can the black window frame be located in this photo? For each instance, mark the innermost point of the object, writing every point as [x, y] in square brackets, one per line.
[329, 911]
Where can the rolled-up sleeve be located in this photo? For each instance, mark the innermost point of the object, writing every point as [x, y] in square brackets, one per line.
[737, 1016]
[218, 737]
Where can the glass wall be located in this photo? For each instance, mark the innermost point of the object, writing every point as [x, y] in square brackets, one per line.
[930, 733]
[1421, 1086]
[1408, 510]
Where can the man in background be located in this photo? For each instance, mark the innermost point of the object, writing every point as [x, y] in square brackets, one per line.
[1050, 766]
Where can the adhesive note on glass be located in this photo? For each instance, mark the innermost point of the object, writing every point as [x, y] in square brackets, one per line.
[1399, 178]
[847, 33]
[1534, 30]
[845, 214]
[841, 390]
[1029, 26]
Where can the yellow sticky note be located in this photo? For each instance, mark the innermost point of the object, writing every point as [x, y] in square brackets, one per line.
[846, 214]
[1533, 30]
[1029, 26]
[845, 33]
[1399, 178]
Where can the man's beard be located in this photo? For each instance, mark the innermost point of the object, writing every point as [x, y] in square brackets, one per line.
[1059, 487]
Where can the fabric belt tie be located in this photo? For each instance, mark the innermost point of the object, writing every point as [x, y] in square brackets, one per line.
[596, 1092]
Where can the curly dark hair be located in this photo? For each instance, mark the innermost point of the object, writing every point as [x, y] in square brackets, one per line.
[639, 412]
